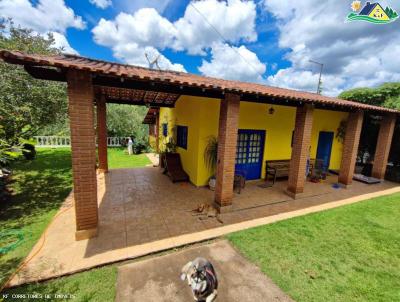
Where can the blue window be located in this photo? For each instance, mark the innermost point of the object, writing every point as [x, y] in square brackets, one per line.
[181, 136]
[165, 129]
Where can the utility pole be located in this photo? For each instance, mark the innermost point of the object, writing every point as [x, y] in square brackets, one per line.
[321, 65]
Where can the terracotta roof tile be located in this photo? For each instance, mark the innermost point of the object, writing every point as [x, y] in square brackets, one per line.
[178, 78]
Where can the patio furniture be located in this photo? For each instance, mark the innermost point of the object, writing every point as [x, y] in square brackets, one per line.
[277, 169]
[239, 181]
[319, 171]
[366, 179]
[173, 167]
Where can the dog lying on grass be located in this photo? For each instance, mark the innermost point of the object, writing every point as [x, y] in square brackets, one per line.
[202, 279]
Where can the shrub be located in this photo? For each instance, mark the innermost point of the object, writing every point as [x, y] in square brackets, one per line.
[29, 151]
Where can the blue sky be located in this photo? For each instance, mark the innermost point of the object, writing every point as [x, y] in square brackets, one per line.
[265, 41]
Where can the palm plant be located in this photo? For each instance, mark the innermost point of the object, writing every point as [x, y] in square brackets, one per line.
[211, 154]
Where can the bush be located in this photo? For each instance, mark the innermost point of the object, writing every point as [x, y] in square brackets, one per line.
[29, 151]
[138, 147]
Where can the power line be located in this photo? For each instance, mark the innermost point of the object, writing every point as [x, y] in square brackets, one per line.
[223, 38]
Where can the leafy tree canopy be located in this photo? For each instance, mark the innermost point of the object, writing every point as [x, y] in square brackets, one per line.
[126, 120]
[27, 104]
[386, 95]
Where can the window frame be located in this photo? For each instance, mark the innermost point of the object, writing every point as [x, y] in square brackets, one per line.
[182, 134]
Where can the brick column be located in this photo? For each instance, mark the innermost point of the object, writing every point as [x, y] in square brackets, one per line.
[350, 147]
[300, 150]
[227, 140]
[81, 115]
[383, 145]
[102, 134]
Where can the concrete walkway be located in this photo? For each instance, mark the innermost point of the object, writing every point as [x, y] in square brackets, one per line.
[157, 279]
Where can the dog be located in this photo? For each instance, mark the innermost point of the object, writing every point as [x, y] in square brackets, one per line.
[207, 211]
[202, 279]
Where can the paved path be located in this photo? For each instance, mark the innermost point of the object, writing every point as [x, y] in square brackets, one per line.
[157, 279]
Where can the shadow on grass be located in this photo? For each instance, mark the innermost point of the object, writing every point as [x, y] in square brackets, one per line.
[38, 189]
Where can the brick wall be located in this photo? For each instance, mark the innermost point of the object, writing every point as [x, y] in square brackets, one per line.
[300, 150]
[383, 145]
[350, 147]
[102, 134]
[81, 114]
[227, 140]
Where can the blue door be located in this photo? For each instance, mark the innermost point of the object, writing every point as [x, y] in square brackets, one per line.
[249, 153]
[324, 149]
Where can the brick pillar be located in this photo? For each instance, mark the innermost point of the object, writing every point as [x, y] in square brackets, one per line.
[102, 134]
[300, 150]
[383, 145]
[350, 147]
[227, 140]
[81, 115]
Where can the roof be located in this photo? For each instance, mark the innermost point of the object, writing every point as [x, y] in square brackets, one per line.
[109, 74]
[150, 117]
[369, 7]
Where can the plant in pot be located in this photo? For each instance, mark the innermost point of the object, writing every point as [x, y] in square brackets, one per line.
[210, 159]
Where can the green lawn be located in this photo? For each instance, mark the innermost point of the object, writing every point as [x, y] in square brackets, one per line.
[119, 158]
[39, 187]
[350, 253]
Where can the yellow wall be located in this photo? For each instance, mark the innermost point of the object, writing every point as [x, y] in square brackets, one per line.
[325, 120]
[201, 115]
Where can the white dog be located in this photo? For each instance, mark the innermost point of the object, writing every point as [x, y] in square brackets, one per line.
[202, 279]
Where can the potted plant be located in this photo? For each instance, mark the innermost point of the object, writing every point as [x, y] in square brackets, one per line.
[210, 159]
[170, 147]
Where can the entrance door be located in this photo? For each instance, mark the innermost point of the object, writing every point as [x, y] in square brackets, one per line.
[324, 149]
[249, 153]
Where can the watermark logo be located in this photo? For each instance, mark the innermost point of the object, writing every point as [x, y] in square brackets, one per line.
[371, 12]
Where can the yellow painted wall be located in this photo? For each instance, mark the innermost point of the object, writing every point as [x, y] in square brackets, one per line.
[201, 115]
[325, 120]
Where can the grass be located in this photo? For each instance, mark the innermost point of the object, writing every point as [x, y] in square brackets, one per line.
[350, 253]
[119, 158]
[39, 187]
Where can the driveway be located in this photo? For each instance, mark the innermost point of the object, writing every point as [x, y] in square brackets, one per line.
[157, 279]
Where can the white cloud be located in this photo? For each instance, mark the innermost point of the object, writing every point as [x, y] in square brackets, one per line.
[129, 35]
[234, 63]
[101, 3]
[133, 54]
[46, 15]
[305, 80]
[134, 5]
[61, 42]
[353, 53]
[145, 27]
[197, 29]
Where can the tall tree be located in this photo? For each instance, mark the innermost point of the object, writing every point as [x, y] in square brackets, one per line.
[27, 104]
[126, 120]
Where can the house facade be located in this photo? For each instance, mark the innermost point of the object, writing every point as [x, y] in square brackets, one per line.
[252, 122]
[271, 126]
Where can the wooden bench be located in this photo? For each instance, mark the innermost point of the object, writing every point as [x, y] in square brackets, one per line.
[277, 169]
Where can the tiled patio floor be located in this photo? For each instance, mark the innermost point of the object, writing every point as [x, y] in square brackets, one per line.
[141, 211]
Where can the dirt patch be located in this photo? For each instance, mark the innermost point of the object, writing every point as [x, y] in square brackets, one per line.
[157, 279]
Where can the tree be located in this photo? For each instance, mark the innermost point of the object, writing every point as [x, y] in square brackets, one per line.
[386, 95]
[27, 104]
[126, 120]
